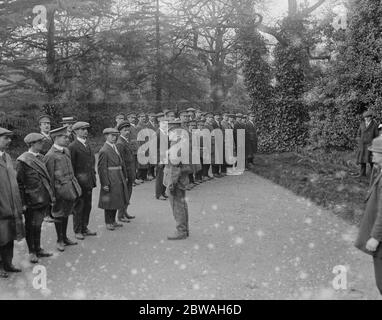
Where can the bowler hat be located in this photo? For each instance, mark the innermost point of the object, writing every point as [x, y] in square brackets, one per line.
[376, 145]
[33, 137]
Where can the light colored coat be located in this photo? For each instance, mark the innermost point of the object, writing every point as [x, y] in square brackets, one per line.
[11, 223]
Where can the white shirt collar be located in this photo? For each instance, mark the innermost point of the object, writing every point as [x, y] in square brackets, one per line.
[59, 148]
[83, 141]
[45, 134]
[124, 138]
[110, 144]
[34, 153]
[1, 153]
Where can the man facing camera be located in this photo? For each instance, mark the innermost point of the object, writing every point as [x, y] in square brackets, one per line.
[83, 162]
[36, 193]
[112, 174]
[65, 185]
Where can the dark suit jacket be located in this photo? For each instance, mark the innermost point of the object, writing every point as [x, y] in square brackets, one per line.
[83, 162]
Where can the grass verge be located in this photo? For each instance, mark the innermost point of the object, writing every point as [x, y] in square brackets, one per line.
[329, 184]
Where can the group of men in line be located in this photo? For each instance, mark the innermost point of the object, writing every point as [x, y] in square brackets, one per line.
[56, 176]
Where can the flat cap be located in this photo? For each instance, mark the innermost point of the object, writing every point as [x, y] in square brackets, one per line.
[5, 132]
[239, 115]
[183, 112]
[80, 125]
[59, 132]
[160, 115]
[33, 137]
[368, 114]
[68, 120]
[141, 114]
[131, 114]
[208, 114]
[167, 111]
[119, 115]
[44, 118]
[191, 110]
[110, 131]
[123, 124]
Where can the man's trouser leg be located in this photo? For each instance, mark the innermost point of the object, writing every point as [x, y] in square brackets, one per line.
[378, 273]
[363, 169]
[110, 216]
[6, 253]
[33, 222]
[160, 189]
[180, 210]
[206, 168]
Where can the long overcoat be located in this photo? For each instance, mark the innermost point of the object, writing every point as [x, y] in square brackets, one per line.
[11, 223]
[112, 173]
[365, 136]
[250, 139]
[65, 185]
[371, 223]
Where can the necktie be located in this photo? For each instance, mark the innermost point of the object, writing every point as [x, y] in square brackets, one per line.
[4, 157]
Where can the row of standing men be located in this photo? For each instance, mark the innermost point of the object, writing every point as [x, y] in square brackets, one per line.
[56, 177]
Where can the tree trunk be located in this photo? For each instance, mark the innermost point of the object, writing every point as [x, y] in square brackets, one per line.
[50, 56]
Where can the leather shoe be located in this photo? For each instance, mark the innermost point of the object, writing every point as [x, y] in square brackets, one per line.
[11, 268]
[33, 258]
[162, 198]
[110, 227]
[130, 217]
[89, 233]
[60, 246]
[69, 242]
[43, 254]
[3, 274]
[124, 219]
[117, 225]
[177, 237]
[79, 236]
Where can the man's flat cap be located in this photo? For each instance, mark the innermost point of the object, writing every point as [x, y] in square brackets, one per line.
[141, 114]
[110, 131]
[207, 114]
[160, 115]
[167, 111]
[119, 115]
[68, 120]
[80, 125]
[239, 115]
[183, 112]
[123, 124]
[191, 110]
[33, 137]
[5, 132]
[368, 114]
[131, 114]
[63, 131]
[44, 118]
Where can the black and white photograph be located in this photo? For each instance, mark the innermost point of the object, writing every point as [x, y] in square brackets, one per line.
[208, 151]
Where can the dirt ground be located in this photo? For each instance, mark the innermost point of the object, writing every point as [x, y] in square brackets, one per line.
[250, 239]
